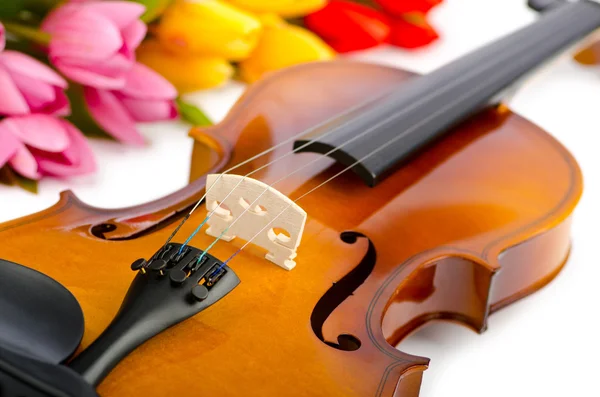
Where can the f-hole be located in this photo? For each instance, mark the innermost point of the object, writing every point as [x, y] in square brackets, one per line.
[340, 291]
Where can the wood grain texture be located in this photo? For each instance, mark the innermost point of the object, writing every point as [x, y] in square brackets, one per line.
[476, 222]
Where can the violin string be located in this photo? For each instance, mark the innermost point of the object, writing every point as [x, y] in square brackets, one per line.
[252, 205]
[330, 132]
[354, 164]
[413, 105]
[263, 153]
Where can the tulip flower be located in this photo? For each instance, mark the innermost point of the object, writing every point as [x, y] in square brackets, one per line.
[412, 31]
[187, 72]
[282, 45]
[348, 26]
[93, 43]
[146, 96]
[400, 7]
[28, 86]
[37, 145]
[284, 8]
[210, 28]
[9, 144]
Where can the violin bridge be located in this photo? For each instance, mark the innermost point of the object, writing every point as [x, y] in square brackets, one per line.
[233, 194]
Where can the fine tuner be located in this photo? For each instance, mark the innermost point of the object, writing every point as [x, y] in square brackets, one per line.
[166, 290]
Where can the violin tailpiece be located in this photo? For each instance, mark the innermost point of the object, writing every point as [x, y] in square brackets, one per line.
[274, 222]
[169, 288]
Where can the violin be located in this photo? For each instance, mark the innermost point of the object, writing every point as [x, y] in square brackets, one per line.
[337, 208]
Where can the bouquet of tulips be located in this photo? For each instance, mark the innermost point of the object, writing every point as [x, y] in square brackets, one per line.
[75, 67]
[67, 67]
[202, 44]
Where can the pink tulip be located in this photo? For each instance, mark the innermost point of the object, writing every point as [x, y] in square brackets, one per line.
[94, 43]
[146, 96]
[37, 145]
[29, 86]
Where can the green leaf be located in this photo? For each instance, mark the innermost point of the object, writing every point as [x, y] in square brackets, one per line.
[11, 178]
[27, 47]
[192, 114]
[19, 10]
[11, 9]
[154, 8]
[29, 33]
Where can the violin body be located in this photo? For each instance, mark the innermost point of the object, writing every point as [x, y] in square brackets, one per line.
[475, 222]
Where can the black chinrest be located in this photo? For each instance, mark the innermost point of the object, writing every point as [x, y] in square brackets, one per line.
[39, 318]
[41, 325]
[24, 376]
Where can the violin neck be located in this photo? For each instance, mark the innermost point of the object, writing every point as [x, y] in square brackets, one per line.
[405, 121]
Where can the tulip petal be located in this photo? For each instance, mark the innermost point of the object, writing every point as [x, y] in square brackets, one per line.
[21, 64]
[111, 115]
[134, 34]
[77, 159]
[2, 37]
[212, 27]
[348, 26]
[54, 19]
[150, 110]
[186, 73]
[412, 32]
[59, 107]
[86, 35]
[12, 101]
[42, 97]
[116, 66]
[36, 93]
[39, 131]
[85, 76]
[399, 8]
[9, 145]
[121, 13]
[25, 164]
[143, 82]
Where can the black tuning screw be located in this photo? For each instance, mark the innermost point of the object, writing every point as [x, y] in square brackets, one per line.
[158, 265]
[139, 264]
[200, 292]
[177, 276]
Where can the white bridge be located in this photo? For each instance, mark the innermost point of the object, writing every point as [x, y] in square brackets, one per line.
[280, 238]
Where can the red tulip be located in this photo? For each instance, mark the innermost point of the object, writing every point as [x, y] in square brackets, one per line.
[412, 31]
[399, 7]
[348, 26]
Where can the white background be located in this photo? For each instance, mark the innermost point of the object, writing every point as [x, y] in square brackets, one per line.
[545, 345]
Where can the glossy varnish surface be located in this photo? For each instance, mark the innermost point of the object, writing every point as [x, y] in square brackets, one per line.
[432, 240]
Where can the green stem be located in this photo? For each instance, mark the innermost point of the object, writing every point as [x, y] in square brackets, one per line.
[192, 114]
[27, 32]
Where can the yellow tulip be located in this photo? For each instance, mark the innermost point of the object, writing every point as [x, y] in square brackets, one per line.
[209, 27]
[186, 72]
[282, 45]
[285, 8]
